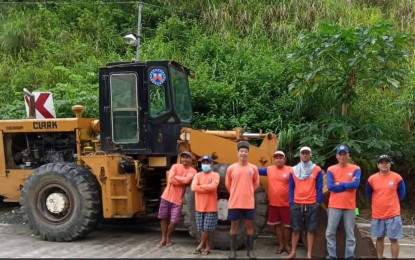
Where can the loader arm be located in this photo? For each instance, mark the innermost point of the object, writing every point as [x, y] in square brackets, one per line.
[221, 145]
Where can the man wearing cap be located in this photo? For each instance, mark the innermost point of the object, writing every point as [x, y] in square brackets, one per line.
[180, 175]
[242, 179]
[342, 181]
[205, 184]
[385, 189]
[279, 207]
[305, 197]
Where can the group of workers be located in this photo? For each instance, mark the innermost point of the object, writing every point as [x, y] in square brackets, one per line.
[294, 195]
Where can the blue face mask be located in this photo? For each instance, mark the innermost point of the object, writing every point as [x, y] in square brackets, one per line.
[206, 167]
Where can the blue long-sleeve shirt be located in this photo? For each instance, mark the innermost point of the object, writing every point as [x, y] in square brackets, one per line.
[262, 171]
[401, 190]
[318, 185]
[331, 186]
[385, 191]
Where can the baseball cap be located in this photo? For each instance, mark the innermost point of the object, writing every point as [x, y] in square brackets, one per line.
[384, 157]
[186, 152]
[243, 144]
[206, 158]
[305, 148]
[279, 152]
[342, 148]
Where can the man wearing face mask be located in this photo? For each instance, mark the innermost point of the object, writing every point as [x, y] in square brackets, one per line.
[204, 185]
[305, 196]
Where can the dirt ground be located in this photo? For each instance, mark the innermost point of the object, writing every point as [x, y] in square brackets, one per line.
[10, 214]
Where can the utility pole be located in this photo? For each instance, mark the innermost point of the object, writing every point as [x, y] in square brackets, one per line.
[140, 7]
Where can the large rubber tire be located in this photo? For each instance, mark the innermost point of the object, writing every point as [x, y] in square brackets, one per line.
[220, 237]
[62, 202]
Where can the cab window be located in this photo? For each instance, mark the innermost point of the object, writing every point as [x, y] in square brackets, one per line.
[181, 93]
[124, 108]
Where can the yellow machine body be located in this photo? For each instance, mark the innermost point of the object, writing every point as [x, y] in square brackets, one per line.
[121, 192]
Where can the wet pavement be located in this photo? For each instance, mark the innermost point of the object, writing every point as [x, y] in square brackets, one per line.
[138, 242]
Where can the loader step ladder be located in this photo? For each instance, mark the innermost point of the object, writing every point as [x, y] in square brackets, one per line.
[121, 199]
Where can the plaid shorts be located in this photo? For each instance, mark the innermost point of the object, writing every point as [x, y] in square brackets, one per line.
[169, 210]
[206, 221]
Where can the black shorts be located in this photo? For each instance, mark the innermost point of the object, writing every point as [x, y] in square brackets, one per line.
[304, 217]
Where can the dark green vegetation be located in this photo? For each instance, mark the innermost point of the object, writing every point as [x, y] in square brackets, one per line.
[317, 73]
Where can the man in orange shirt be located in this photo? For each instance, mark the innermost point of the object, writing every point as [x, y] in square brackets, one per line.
[305, 196]
[205, 184]
[242, 179]
[385, 189]
[279, 207]
[180, 175]
[342, 181]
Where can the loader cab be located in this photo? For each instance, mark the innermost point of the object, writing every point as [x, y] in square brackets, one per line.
[143, 106]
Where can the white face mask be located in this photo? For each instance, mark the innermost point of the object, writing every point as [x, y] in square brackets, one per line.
[206, 167]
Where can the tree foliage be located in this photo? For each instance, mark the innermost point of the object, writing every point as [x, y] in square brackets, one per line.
[238, 51]
[341, 58]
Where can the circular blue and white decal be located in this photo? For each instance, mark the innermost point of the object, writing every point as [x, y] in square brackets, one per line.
[157, 76]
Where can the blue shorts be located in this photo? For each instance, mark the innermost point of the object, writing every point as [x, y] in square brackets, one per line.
[235, 214]
[389, 227]
[206, 221]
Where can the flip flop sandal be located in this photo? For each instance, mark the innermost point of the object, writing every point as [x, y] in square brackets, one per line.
[170, 243]
[279, 251]
[159, 245]
[206, 252]
[197, 251]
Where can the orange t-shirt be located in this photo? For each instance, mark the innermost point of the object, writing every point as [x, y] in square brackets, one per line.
[278, 182]
[241, 181]
[206, 197]
[345, 199]
[385, 199]
[305, 191]
[176, 185]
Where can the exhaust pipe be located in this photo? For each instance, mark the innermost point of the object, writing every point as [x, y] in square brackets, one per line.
[32, 111]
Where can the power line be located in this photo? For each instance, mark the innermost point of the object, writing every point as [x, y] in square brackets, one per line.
[67, 3]
[174, 9]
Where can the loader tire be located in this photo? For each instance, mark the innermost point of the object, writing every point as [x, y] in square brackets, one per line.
[62, 202]
[220, 237]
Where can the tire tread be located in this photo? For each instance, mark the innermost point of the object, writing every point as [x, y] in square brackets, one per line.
[84, 218]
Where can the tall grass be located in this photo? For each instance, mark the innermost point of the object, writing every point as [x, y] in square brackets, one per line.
[281, 21]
